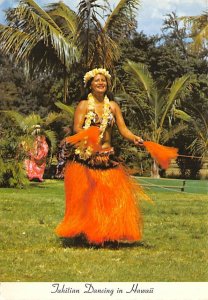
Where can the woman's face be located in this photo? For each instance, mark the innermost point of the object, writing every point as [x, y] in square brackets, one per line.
[99, 84]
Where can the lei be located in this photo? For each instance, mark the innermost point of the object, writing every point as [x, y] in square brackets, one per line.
[82, 151]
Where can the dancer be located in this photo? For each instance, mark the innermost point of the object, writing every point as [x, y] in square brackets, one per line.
[36, 163]
[101, 198]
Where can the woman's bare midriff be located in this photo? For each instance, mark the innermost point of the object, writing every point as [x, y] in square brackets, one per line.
[106, 141]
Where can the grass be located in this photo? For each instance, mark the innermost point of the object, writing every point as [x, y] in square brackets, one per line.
[174, 246]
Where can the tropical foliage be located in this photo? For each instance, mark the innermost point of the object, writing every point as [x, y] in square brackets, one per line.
[17, 138]
[198, 26]
[59, 38]
[27, 126]
[57, 45]
[161, 104]
[199, 146]
[34, 37]
[12, 172]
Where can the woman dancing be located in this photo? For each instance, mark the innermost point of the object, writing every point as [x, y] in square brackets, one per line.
[101, 198]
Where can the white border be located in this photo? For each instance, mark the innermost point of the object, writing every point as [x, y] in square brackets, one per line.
[104, 291]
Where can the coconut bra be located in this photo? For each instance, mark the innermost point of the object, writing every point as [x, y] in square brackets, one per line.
[97, 121]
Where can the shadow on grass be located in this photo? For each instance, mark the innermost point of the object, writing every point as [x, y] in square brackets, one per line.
[37, 184]
[81, 242]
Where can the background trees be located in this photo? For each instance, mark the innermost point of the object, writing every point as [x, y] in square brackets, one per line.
[58, 45]
[198, 28]
[57, 38]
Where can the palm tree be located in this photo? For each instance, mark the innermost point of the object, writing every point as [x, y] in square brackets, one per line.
[58, 38]
[161, 105]
[198, 26]
[100, 37]
[34, 36]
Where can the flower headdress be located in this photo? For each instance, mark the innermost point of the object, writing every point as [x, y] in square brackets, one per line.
[94, 72]
[36, 129]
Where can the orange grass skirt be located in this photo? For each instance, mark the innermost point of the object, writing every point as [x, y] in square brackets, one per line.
[101, 204]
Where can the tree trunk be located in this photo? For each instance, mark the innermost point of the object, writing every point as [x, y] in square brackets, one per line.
[155, 170]
[65, 87]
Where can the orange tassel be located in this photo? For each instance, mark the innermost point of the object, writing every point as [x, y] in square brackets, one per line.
[161, 154]
[91, 135]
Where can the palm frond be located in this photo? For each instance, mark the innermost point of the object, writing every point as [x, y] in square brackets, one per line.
[27, 142]
[201, 130]
[169, 134]
[65, 17]
[180, 114]
[158, 103]
[38, 10]
[121, 16]
[52, 117]
[66, 51]
[199, 147]
[200, 125]
[31, 25]
[17, 42]
[31, 121]
[89, 27]
[16, 117]
[177, 86]
[142, 74]
[52, 138]
[203, 117]
[104, 52]
[198, 25]
[200, 38]
[69, 109]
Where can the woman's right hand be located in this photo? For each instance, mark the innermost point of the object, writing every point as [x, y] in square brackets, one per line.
[138, 141]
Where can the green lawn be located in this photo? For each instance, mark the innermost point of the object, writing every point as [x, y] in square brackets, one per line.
[174, 246]
[170, 185]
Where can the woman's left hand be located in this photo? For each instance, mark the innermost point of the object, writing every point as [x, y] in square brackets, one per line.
[138, 141]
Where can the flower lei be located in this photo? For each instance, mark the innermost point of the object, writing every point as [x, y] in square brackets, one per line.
[94, 72]
[82, 151]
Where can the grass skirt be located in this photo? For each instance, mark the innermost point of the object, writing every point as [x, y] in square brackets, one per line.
[101, 204]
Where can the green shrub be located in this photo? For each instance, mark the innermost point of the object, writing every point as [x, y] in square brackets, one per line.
[12, 174]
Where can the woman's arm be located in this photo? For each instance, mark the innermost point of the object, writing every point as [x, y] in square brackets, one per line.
[79, 116]
[124, 131]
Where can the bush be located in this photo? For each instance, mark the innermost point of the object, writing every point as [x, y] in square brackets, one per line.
[12, 174]
[189, 167]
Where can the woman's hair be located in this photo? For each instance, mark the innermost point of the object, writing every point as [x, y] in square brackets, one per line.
[87, 91]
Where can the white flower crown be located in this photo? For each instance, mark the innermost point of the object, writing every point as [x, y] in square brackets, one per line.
[94, 72]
